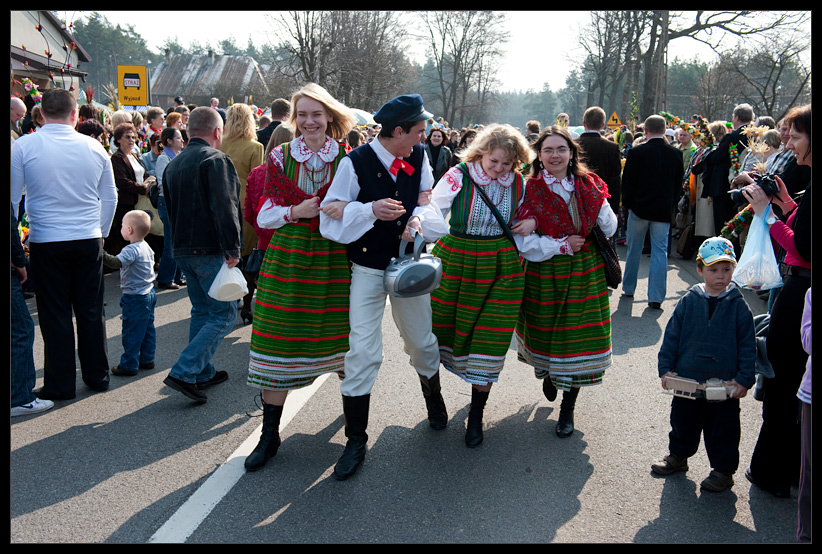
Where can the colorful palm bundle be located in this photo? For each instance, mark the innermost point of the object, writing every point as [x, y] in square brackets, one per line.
[733, 152]
[705, 133]
[32, 90]
[741, 221]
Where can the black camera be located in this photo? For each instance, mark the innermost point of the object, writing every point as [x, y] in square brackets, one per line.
[766, 182]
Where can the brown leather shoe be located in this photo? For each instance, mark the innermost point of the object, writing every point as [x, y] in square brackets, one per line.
[670, 464]
[717, 481]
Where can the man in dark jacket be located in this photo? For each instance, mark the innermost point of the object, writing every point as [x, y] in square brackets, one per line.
[717, 183]
[651, 185]
[601, 155]
[202, 192]
[280, 112]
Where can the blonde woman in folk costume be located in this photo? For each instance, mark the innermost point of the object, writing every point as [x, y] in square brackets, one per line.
[300, 325]
[476, 306]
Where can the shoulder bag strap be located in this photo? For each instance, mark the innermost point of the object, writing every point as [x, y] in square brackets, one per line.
[497, 215]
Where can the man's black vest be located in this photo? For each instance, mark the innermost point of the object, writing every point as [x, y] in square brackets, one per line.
[381, 243]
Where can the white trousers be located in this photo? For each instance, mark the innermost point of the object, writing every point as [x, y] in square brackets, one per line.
[412, 316]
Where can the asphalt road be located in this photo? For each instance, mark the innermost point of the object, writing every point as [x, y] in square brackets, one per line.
[141, 463]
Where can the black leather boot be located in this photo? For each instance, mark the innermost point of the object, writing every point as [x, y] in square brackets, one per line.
[355, 410]
[269, 439]
[565, 422]
[437, 416]
[473, 430]
[548, 389]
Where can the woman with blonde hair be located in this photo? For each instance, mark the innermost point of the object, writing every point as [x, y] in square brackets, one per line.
[300, 326]
[476, 306]
[240, 142]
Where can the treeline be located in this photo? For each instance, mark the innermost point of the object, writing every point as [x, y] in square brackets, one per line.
[365, 57]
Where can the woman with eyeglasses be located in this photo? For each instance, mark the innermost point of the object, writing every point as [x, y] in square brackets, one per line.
[564, 327]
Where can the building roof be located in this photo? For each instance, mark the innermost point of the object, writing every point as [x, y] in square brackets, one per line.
[209, 75]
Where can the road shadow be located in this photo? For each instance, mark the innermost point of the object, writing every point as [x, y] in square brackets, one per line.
[416, 485]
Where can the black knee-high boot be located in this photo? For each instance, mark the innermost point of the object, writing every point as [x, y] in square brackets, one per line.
[548, 388]
[565, 422]
[355, 410]
[269, 440]
[473, 430]
[431, 391]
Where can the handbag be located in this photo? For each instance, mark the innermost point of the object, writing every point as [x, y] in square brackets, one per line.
[143, 203]
[613, 271]
[254, 261]
[494, 210]
[154, 194]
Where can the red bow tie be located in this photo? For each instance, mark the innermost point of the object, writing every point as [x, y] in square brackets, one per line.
[400, 164]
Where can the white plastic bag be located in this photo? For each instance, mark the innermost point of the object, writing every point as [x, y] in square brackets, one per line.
[757, 268]
[228, 285]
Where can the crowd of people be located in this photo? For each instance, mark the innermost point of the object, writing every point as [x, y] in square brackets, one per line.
[313, 207]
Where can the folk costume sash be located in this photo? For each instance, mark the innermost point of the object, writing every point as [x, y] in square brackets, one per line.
[551, 211]
[284, 192]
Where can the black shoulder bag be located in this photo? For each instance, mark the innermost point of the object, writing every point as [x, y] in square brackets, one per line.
[613, 271]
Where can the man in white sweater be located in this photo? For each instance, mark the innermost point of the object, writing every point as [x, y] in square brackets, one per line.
[68, 182]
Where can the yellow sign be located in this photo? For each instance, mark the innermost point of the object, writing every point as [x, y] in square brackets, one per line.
[132, 85]
[614, 121]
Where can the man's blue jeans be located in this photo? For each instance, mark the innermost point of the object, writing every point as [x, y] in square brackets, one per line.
[23, 374]
[139, 337]
[168, 271]
[211, 320]
[658, 272]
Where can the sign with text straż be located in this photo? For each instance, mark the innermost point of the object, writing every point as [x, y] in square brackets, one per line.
[132, 85]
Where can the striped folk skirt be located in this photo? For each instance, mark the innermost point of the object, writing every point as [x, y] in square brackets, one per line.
[565, 322]
[476, 305]
[300, 327]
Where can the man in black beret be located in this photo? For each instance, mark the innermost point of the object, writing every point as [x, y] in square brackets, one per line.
[383, 181]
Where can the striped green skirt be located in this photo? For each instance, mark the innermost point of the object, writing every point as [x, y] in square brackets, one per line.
[476, 305]
[564, 325]
[300, 327]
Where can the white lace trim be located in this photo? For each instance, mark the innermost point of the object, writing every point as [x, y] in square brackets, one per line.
[481, 178]
[302, 153]
[567, 183]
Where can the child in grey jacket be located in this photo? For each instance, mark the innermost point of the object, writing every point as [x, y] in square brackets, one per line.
[710, 335]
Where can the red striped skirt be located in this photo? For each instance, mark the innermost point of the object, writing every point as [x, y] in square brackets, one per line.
[476, 305]
[300, 327]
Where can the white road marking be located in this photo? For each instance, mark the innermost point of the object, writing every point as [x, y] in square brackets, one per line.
[190, 515]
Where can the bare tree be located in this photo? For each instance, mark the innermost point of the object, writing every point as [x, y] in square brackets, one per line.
[717, 90]
[612, 43]
[356, 55]
[465, 48]
[774, 73]
[710, 28]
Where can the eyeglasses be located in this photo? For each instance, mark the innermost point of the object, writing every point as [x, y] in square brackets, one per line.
[551, 151]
